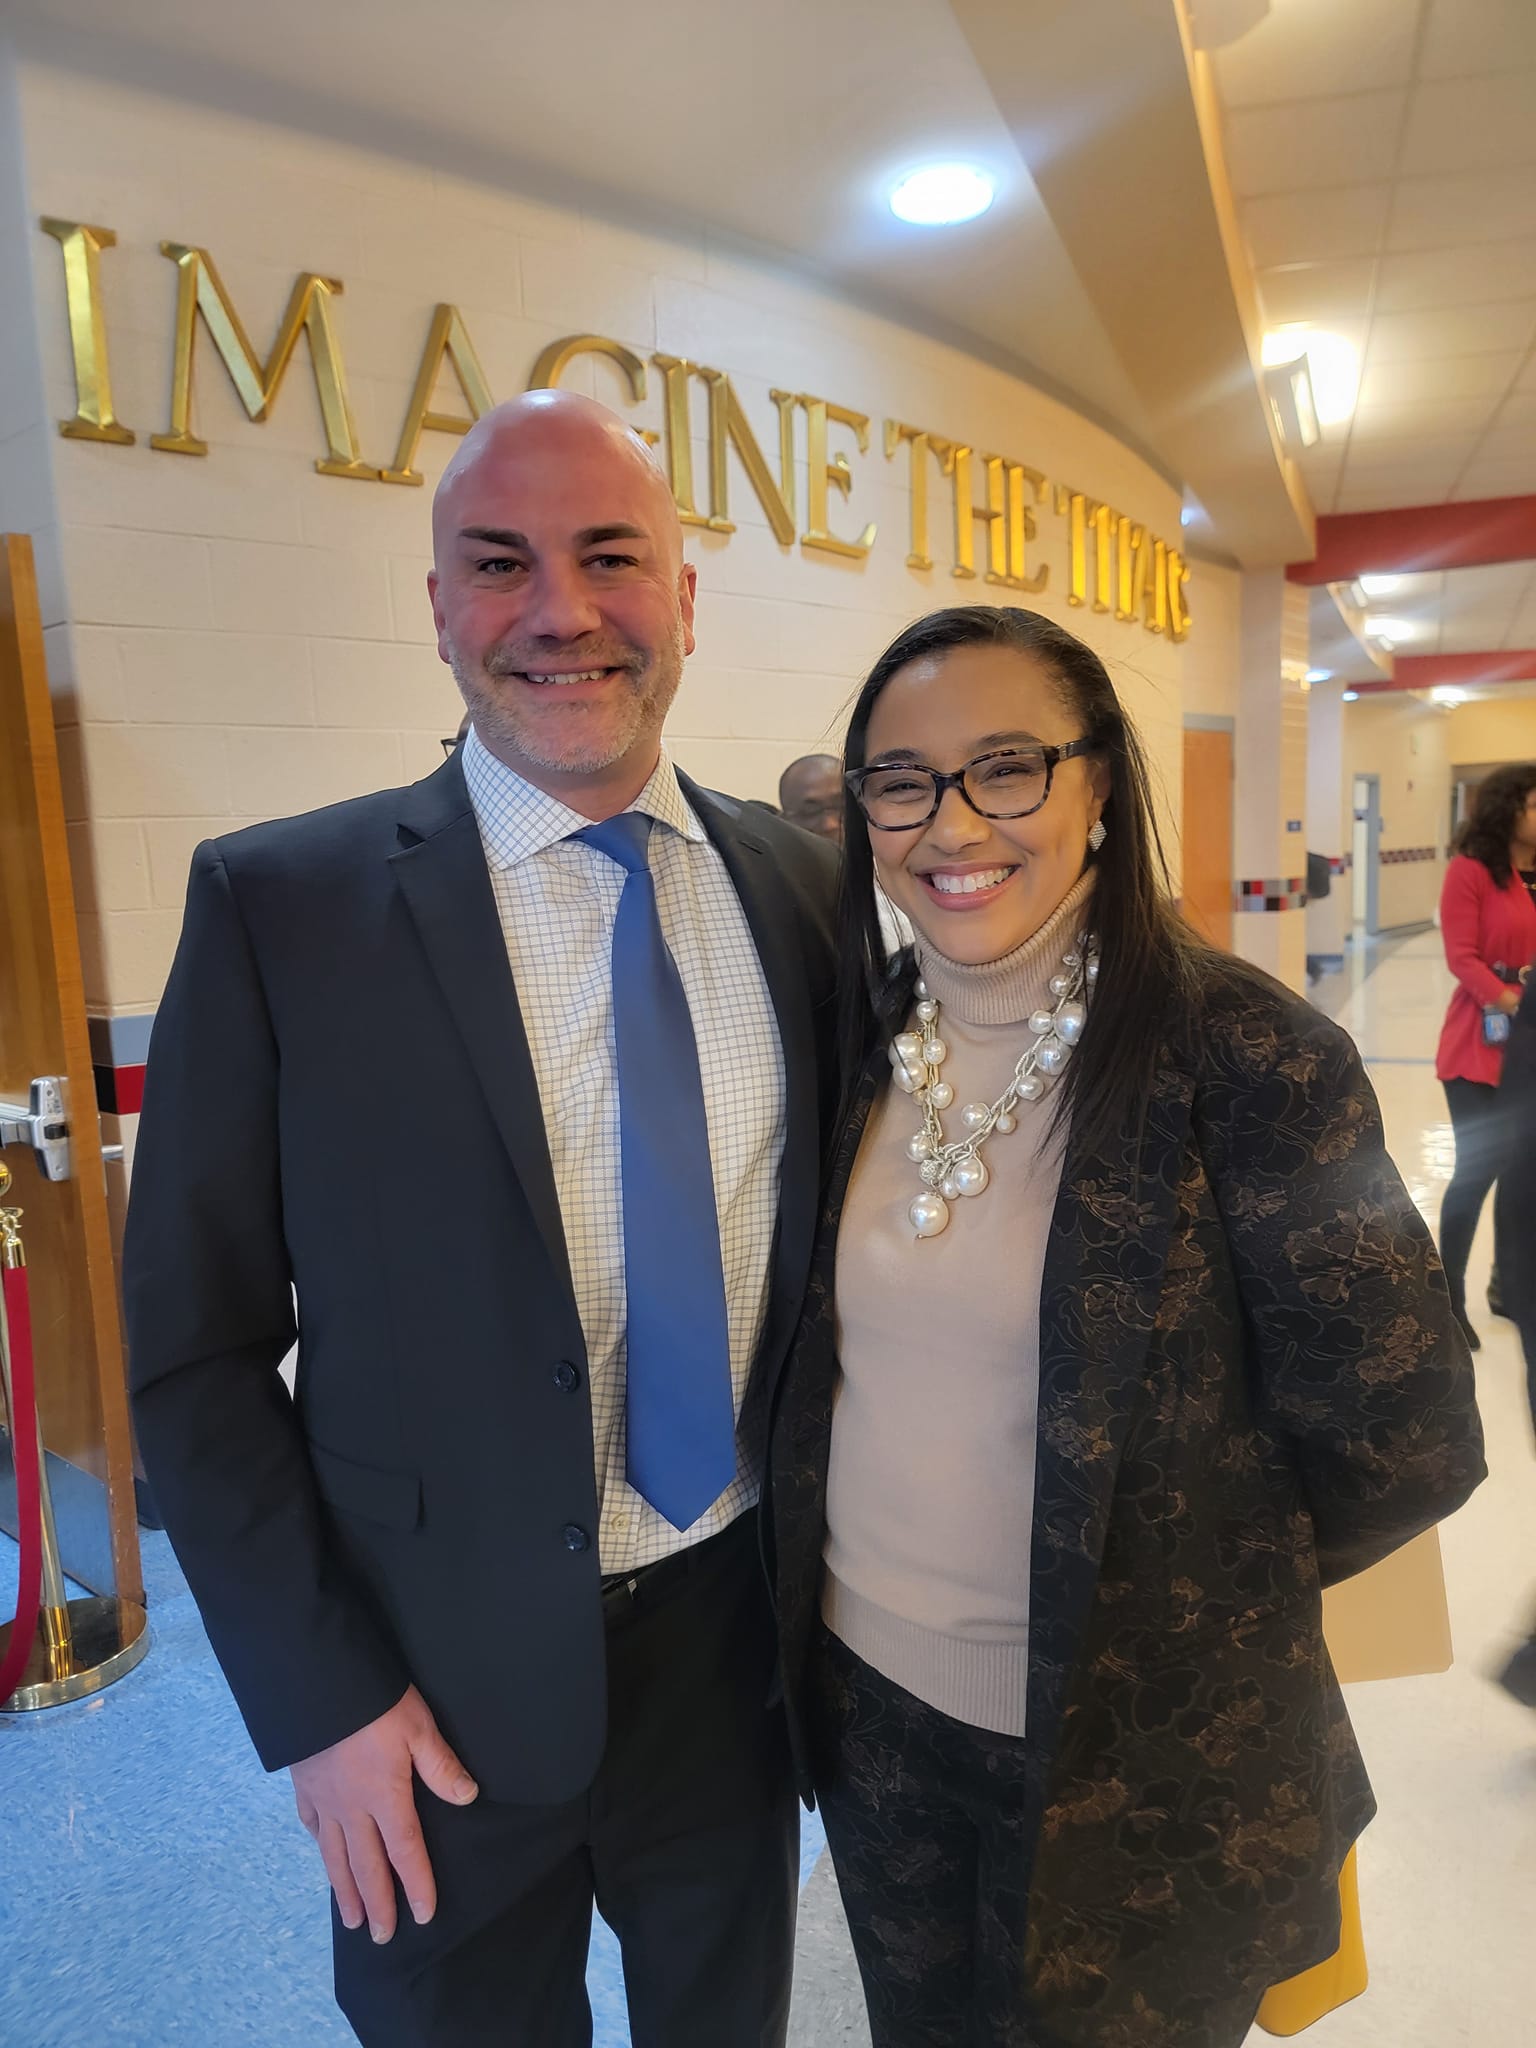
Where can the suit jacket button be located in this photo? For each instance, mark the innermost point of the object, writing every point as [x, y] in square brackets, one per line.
[575, 1537]
[567, 1378]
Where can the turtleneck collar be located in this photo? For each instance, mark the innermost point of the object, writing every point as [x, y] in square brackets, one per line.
[1009, 990]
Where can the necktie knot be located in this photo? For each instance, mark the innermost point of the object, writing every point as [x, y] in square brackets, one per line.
[624, 839]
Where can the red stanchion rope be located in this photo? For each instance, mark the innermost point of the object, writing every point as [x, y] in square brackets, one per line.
[29, 1498]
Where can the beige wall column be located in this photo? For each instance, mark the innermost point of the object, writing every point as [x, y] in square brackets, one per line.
[1271, 798]
[1328, 817]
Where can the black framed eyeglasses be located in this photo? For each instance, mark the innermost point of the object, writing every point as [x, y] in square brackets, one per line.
[1012, 783]
[450, 746]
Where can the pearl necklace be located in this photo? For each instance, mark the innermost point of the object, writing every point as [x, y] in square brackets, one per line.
[954, 1168]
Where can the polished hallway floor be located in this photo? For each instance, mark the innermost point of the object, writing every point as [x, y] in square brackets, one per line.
[155, 1887]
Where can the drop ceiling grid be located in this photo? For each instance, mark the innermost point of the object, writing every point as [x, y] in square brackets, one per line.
[1403, 195]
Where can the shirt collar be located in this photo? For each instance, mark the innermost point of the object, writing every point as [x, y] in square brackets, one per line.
[517, 820]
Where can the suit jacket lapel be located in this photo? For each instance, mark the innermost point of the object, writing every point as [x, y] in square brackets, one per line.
[441, 872]
[750, 865]
[1099, 1303]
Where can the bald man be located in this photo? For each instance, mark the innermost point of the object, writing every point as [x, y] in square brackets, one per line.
[504, 1095]
[811, 795]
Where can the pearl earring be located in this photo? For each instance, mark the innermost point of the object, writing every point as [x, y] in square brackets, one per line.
[1097, 835]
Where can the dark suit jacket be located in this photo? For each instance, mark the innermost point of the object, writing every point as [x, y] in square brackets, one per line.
[1251, 1385]
[341, 1108]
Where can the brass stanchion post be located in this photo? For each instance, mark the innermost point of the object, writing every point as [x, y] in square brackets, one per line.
[83, 1645]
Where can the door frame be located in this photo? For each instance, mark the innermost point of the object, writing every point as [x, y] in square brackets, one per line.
[1372, 823]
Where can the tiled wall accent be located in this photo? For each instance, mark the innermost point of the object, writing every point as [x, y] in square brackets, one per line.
[1270, 895]
[1400, 856]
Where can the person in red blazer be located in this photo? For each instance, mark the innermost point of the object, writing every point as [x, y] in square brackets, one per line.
[1488, 923]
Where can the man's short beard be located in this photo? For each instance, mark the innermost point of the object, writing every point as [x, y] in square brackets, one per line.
[567, 748]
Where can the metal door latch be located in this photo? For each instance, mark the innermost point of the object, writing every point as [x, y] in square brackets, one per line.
[43, 1123]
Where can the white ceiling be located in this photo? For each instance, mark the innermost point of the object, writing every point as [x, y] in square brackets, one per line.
[1383, 153]
[1450, 611]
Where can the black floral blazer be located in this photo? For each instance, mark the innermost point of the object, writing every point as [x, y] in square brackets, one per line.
[1251, 1386]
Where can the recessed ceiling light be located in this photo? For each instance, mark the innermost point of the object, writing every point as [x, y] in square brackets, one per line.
[1387, 632]
[941, 194]
[1381, 586]
[1351, 696]
[1448, 694]
[1319, 675]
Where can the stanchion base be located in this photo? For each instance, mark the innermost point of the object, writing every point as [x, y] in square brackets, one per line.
[109, 1638]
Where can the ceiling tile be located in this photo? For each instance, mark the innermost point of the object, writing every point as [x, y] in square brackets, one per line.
[1318, 293]
[1475, 275]
[1470, 124]
[1482, 206]
[1496, 480]
[1355, 47]
[1313, 143]
[1384, 497]
[1441, 377]
[1291, 227]
[1462, 37]
[1452, 331]
[1440, 418]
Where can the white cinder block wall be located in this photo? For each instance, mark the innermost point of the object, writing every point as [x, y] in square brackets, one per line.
[246, 637]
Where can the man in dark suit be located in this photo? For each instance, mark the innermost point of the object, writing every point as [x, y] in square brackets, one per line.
[503, 1095]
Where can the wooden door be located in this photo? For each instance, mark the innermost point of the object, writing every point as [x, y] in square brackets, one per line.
[1208, 834]
[77, 1332]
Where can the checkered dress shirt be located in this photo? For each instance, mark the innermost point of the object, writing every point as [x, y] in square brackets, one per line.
[557, 899]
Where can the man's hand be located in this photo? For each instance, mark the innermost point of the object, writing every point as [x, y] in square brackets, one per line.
[358, 1801]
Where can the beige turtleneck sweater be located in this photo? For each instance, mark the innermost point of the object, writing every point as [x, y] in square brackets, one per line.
[930, 1495]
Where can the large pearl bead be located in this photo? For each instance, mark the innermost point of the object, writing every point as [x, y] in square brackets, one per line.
[928, 1215]
[1053, 1056]
[1041, 1022]
[921, 990]
[1033, 1086]
[1061, 984]
[927, 1010]
[935, 1051]
[941, 1095]
[974, 1116]
[907, 1046]
[920, 1146]
[904, 1081]
[1007, 1123]
[1070, 1019]
[970, 1177]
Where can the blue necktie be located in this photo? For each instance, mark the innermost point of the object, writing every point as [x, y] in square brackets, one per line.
[680, 1405]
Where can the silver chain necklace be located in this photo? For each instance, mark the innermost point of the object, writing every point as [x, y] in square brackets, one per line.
[951, 1169]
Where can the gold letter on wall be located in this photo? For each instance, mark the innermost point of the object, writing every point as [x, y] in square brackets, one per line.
[200, 290]
[835, 473]
[94, 418]
[552, 364]
[922, 443]
[728, 427]
[448, 338]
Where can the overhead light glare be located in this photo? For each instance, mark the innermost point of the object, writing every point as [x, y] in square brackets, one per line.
[1333, 366]
[1351, 696]
[1447, 694]
[1319, 675]
[1381, 586]
[940, 195]
[1387, 632]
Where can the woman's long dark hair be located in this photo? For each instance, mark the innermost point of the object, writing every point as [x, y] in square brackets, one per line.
[1496, 810]
[1147, 954]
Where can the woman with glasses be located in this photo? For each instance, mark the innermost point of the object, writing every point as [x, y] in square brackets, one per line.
[1125, 1339]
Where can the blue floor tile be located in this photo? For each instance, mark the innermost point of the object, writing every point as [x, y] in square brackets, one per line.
[157, 1889]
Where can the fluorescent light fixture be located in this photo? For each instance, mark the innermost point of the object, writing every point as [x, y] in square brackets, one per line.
[1448, 695]
[1388, 632]
[1333, 366]
[941, 194]
[1381, 586]
[1319, 675]
[1351, 696]
[1291, 398]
